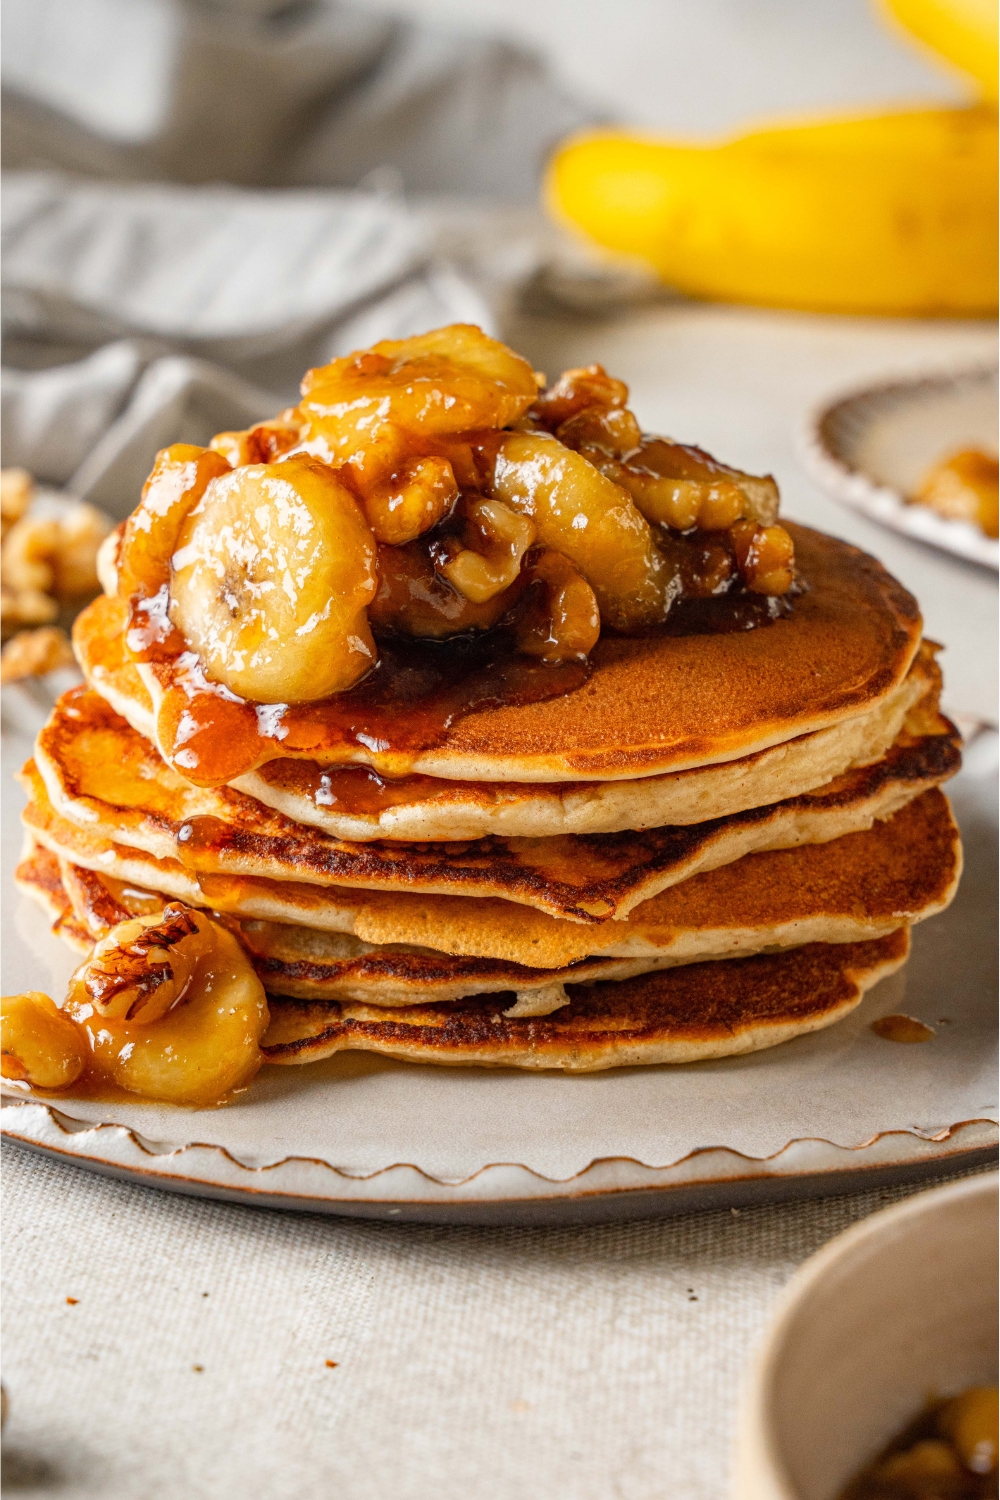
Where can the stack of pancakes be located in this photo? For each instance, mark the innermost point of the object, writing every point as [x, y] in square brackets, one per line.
[717, 843]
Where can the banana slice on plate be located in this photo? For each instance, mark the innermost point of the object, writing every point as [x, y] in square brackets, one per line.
[274, 569]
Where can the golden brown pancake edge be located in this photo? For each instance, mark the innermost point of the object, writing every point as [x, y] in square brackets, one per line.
[689, 1014]
[581, 878]
[686, 701]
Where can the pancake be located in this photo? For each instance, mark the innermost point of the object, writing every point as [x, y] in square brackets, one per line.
[105, 789]
[688, 1014]
[852, 889]
[39, 875]
[651, 706]
[356, 803]
[682, 1014]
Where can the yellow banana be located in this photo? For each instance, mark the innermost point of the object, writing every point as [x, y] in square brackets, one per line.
[892, 213]
[964, 32]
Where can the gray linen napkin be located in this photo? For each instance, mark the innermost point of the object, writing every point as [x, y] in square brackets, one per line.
[206, 199]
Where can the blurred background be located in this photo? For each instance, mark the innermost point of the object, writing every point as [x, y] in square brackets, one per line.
[205, 197]
[101, 85]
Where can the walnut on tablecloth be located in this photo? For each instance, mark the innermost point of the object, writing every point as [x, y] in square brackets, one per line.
[48, 570]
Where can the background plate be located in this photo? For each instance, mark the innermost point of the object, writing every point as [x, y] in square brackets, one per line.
[870, 449]
[369, 1136]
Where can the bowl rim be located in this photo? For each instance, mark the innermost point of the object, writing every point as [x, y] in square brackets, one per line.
[880, 502]
[759, 1472]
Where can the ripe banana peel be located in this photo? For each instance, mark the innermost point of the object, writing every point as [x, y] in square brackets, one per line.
[964, 32]
[892, 213]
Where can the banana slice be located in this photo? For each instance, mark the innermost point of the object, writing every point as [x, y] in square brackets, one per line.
[452, 380]
[179, 478]
[40, 1046]
[274, 569]
[473, 353]
[592, 521]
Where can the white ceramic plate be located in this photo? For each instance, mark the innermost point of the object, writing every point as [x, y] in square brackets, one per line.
[870, 448]
[372, 1137]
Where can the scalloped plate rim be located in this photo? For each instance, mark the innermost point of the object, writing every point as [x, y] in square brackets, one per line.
[497, 1184]
[881, 502]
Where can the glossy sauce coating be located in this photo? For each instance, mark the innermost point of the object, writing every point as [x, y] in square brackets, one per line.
[900, 1028]
[495, 529]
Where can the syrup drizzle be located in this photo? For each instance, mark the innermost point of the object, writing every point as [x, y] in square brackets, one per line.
[405, 706]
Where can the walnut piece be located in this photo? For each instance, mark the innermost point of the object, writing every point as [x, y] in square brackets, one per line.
[46, 563]
[16, 490]
[32, 653]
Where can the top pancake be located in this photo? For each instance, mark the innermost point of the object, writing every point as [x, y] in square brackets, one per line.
[653, 704]
[354, 802]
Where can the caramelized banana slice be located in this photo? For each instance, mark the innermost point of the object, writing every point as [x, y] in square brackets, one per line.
[581, 513]
[40, 1046]
[452, 380]
[274, 569]
[179, 477]
[172, 1008]
[686, 475]
[472, 351]
[969, 1420]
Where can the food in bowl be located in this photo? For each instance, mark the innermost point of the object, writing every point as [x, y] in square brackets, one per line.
[477, 726]
[948, 1452]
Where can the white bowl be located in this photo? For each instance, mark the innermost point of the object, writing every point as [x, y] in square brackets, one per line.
[901, 1307]
[870, 448]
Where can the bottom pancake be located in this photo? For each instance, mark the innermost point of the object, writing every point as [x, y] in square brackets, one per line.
[679, 1015]
[39, 876]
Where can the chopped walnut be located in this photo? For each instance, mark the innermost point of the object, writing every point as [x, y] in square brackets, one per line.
[28, 550]
[32, 653]
[16, 490]
[81, 532]
[46, 563]
[20, 607]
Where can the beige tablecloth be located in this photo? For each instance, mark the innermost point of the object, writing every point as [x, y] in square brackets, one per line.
[583, 1363]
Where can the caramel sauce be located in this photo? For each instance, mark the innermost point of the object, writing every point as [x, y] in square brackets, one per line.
[202, 841]
[94, 1090]
[405, 706]
[724, 614]
[88, 1086]
[900, 1028]
[353, 789]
